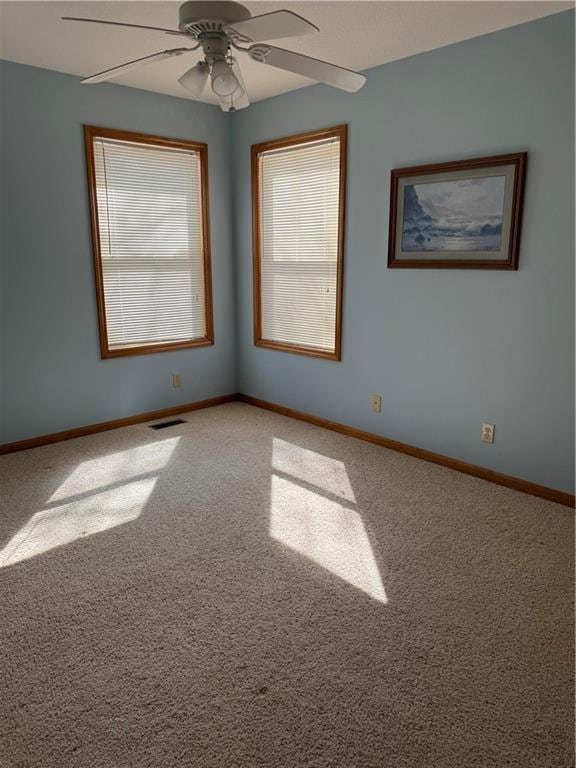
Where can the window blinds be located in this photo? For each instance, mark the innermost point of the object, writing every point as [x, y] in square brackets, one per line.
[149, 210]
[299, 244]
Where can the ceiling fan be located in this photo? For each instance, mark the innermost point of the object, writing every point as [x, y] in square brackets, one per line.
[219, 28]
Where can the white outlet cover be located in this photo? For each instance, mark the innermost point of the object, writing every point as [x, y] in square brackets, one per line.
[488, 433]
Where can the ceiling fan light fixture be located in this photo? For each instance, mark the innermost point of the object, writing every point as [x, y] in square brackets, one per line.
[220, 26]
[224, 81]
[194, 79]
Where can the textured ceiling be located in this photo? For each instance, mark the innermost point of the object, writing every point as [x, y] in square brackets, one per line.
[357, 35]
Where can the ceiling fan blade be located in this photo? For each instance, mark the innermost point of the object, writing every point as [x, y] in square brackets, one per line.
[273, 26]
[122, 24]
[315, 69]
[109, 74]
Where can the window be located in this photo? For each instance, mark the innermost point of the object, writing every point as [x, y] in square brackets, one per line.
[298, 190]
[151, 241]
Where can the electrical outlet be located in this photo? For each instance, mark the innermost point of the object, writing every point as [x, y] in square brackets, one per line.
[176, 380]
[376, 403]
[487, 433]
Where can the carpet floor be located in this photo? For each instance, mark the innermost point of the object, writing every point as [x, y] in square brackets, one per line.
[245, 590]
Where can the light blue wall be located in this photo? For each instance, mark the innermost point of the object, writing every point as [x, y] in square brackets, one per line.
[53, 376]
[447, 350]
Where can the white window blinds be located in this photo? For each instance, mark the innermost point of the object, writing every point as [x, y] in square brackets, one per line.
[299, 245]
[149, 203]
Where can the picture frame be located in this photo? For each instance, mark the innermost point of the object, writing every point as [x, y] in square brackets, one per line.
[465, 214]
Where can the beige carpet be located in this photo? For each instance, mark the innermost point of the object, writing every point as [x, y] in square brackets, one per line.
[247, 590]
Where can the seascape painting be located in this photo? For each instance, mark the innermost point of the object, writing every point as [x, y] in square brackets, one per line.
[455, 215]
[460, 214]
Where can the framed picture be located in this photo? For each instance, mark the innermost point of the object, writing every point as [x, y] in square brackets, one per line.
[460, 215]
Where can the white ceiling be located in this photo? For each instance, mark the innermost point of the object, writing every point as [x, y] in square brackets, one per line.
[355, 34]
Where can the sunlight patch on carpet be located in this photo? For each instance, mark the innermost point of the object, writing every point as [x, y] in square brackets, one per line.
[313, 468]
[331, 535]
[65, 523]
[98, 473]
[99, 494]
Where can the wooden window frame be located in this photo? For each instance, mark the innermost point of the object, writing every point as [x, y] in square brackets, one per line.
[340, 132]
[92, 132]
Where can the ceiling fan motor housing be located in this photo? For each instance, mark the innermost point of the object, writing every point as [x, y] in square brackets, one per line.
[205, 18]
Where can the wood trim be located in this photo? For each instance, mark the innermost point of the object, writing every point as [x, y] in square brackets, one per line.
[341, 238]
[207, 246]
[340, 132]
[518, 159]
[524, 486]
[90, 133]
[104, 426]
[256, 303]
[296, 349]
[301, 138]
